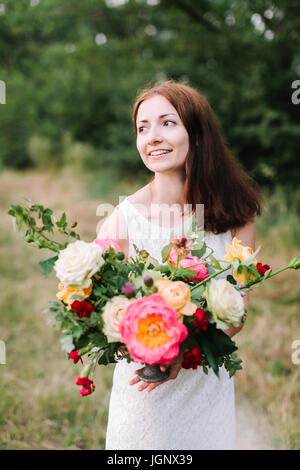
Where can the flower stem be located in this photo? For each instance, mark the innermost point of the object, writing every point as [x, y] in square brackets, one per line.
[261, 279]
[210, 277]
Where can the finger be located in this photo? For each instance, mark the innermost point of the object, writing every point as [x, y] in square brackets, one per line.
[134, 381]
[153, 386]
[143, 386]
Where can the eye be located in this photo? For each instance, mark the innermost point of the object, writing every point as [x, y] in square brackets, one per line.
[141, 128]
[168, 120]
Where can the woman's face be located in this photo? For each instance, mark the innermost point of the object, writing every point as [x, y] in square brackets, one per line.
[162, 139]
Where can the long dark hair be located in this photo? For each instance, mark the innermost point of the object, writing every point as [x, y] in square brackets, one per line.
[213, 176]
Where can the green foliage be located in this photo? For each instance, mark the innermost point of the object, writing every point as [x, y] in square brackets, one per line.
[40, 220]
[232, 364]
[83, 89]
[47, 265]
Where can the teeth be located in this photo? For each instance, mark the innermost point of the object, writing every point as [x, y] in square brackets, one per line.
[160, 152]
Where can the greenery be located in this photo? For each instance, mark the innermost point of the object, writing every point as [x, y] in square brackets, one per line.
[85, 334]
[72, 71]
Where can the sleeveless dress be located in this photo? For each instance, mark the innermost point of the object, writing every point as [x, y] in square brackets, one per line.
[194, 411]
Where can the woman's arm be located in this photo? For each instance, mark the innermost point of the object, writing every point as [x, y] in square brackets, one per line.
[247, 236]
[115, 227]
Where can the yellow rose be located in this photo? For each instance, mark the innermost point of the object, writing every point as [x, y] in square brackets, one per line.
[236, 250]
[66, 292]
[161, 284]
[177, 294]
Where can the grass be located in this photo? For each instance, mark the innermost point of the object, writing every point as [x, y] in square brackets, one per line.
[40, 407]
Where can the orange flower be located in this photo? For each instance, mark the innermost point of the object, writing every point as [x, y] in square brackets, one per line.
[66, 292]
[236, 250]
[177, 294]
[152, 331]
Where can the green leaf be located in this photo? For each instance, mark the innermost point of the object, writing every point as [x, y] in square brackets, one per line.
[17, 209]
[19, 221]
[163, 269]
[235, 264]
[67, 343]
[267, 273]
[197, 292]
[165, 252]
[205, 346]
[214, 262]
[47, 265]
[74, 235]
[231, 279]
[253, 270]
[199, 253]
[220, 342]
[184, 272]
[98, 339]
[251, 258]
[295, 262]
[232, 364]
[211, 270]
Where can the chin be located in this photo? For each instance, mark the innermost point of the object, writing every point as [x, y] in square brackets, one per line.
[160, 167]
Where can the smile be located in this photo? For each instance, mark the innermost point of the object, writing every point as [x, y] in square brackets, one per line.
[159, 153]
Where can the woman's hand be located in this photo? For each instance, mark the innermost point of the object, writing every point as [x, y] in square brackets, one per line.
[174, 367]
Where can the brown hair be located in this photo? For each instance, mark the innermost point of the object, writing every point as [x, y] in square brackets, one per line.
[213, 176]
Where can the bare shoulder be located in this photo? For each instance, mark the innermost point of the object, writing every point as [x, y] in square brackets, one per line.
[115, 227]
[246, 234]
[141, 196]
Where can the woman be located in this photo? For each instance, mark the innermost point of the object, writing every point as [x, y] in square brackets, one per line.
[179, 141]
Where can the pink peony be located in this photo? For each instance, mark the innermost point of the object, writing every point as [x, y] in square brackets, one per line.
[197, 265]
[151, 331]
[174, 253]
[105, 243]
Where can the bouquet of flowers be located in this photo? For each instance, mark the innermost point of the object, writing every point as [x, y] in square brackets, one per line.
[109, 308]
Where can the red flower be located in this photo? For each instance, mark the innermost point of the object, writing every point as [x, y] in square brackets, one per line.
[192, 359]
[261, 269]
[87, 385]
[84, 381]
[82, 308]
[85, 391]
[201, 321]
[75, 356]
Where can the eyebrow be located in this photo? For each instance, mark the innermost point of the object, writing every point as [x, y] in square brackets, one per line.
[161, 116]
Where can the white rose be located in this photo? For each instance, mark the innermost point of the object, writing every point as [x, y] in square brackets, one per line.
[77, 263]
[113, 313]
[225, 303]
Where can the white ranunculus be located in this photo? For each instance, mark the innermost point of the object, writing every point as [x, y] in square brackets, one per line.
[225, 303]
[77, 263]
[113, 313]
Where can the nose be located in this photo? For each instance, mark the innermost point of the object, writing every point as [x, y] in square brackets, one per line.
[154, 135]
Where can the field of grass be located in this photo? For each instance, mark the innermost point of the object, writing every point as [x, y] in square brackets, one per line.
[40, 407]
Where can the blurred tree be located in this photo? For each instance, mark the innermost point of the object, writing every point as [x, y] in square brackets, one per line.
[75, 67]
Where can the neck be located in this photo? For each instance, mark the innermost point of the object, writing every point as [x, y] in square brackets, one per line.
[168, 189]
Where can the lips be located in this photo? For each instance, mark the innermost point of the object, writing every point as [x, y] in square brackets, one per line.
[158, 153]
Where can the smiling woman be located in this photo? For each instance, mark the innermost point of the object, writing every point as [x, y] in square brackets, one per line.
[162, 142]
[179, 141]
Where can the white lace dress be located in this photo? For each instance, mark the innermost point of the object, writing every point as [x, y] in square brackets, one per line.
[194, 411]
